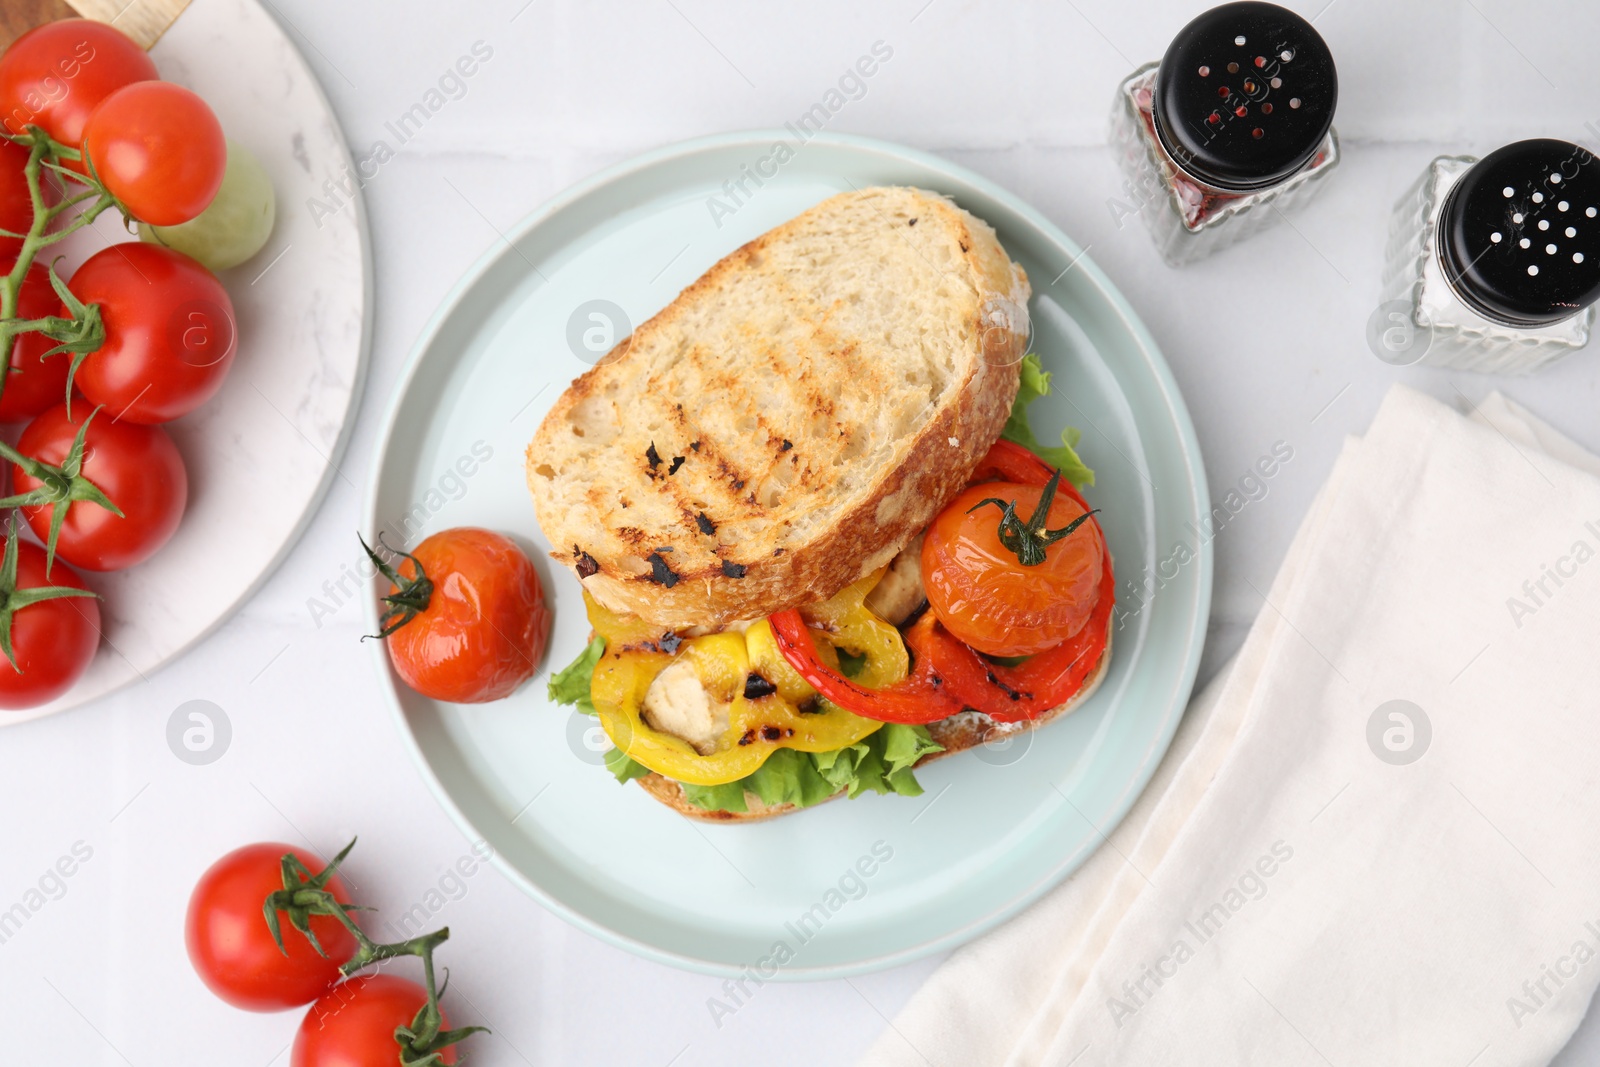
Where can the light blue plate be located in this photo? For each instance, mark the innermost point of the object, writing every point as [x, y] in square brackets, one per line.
[851, 886]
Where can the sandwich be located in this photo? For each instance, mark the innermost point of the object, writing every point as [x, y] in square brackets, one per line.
[818, 542]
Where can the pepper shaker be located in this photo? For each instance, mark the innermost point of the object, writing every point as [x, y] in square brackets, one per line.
[1496, 261]
[1231, 128]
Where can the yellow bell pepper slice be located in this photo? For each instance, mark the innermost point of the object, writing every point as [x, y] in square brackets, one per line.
[846, 622]
[724, 662]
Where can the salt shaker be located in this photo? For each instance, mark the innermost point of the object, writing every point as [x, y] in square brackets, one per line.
[1495, 262]
[1231, 128]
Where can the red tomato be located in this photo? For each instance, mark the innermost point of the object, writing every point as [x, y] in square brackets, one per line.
[34, 383]
[353, 1024]
[137, 467]
[159, 149]
[484, 629]
[170, 332]
[231, 948]
[986, 597]
[52, 640]
[53, 76]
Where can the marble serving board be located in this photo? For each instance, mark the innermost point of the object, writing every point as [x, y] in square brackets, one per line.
[263, 452]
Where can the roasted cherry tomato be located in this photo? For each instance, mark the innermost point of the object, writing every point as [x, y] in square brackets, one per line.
[159, 150]
[465, 616]
[53, 76]
[52, 641]
[137, 467]
[233, 950]
[170, 332]
[354, 1024]
[35, 382]
[981, 591]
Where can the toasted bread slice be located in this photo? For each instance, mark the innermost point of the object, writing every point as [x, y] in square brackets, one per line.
[957, 734]
[792, 419]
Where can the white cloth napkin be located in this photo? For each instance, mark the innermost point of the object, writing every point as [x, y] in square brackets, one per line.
[1282, 895]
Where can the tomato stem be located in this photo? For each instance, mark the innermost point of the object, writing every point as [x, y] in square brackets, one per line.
[411, 595]
[1030, 539]
[305, 895]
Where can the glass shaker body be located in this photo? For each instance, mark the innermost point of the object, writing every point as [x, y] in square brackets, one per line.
[1461, 319]
[1230, 130]
[1187, 218]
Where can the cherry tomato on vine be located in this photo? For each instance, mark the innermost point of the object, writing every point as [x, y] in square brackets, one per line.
[471, 625]
[170, 332]
[55, 75]
[353, 1025]
[52, 641]
[35, 382]
[159, 149]
[981, 592]
[137, 467]
[232, 948]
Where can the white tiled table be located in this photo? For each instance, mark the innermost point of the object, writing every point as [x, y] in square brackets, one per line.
[1266, 342]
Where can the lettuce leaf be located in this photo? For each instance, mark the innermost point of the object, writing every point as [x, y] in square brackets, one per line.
[880, 763]
[570, 685]
[726, 797]
[790, 777]
[1036, 383]
[624, 767]
[903, 746]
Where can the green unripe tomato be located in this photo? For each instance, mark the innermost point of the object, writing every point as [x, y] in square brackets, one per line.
[236, 224]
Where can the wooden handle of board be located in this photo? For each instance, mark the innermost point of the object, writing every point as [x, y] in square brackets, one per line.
[17, 17]
[143, 20]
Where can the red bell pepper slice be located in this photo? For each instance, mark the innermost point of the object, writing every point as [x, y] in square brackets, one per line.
[919, 698]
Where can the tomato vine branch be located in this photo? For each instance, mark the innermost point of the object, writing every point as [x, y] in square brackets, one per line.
[13, 599]
[83, 332]
[305, 895]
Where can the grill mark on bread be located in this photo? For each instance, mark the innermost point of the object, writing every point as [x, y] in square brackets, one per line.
[660, 572]
[632, 536]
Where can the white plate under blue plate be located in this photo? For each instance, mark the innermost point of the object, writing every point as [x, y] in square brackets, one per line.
[854, 885]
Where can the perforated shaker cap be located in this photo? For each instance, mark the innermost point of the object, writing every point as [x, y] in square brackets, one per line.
[1519, 233]
[1245, 95]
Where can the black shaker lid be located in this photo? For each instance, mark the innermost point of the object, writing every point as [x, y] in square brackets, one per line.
[1519, 233]
[1245, 95]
